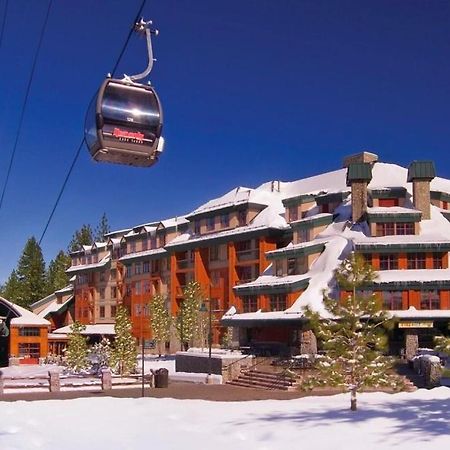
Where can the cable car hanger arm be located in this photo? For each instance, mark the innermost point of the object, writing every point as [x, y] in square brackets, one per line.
[141, 28]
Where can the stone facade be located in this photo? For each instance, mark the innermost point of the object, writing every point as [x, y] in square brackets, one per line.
[359, 200]
[308, 343]
[411, 344]
[421, 197]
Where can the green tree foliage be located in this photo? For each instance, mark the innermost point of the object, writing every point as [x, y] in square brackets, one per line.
[31, 274]
[57, 277]
[102, 229]
[187, 320]
[160, 321]
[123, 354]
[353, 336]
[442, 344]
[83, 236]
[11, 290]
[101, 353]
[77, 348]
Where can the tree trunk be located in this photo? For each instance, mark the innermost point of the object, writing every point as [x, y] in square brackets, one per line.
[353, 400]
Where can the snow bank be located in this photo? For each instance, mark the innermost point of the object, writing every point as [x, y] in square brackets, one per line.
[412, 421]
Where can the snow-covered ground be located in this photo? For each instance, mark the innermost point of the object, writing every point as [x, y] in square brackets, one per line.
[418, 420]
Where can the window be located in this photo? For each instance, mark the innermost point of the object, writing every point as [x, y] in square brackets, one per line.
[242, 217]
[129, 272]
[279, 268]
[215, 278]
[404, 228]
[197, 226]
[430, 300]
[89, 259]
[368, 258]
[278, 302]
[30, 350]
[416, 260]
[250, 303]
[214, 253]
[132, 247]
[392, 300]
[113, 274]
[137, 288]
[244, 274]
[113, 310]
[128, 289]
[137, 309]
[224, 220]
[102, 292]
[292, 266]
[146, 286]
[146, 267]
[29, 331]
[155, 266]
[113, 291]
[303, 235]
[385, 229]
[101, 312]
[144, 245]
[388, 262]
[243, 246]
[293, 213]
[161, 240]
[102, 276]
[210, 223]
[153, 242]
[437, 261]
[137, 268]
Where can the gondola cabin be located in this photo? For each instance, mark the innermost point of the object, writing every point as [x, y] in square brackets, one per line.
[124, 124]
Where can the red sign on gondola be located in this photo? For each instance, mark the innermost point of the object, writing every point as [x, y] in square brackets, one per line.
[128, 135]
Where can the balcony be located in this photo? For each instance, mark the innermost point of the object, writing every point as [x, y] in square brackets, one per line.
[184, 264]
[248, 255]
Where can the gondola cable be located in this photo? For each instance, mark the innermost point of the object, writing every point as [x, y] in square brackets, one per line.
[78, 151]
[2, 29]
[25, 102]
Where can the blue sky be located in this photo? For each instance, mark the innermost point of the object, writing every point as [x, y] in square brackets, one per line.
[252, 90]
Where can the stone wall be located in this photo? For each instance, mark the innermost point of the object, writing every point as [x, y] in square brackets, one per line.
[421, 197]
[359, 200]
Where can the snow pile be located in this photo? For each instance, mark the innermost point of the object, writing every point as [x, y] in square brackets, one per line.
[412, 421]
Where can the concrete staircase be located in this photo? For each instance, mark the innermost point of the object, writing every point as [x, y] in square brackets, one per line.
[259, 379]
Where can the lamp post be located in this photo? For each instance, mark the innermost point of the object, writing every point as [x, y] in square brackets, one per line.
[209, 310]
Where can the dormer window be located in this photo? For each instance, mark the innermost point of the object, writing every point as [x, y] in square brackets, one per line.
[197, 226]
[242, 217]
[293, 213]
[211, 223]
[225, 220]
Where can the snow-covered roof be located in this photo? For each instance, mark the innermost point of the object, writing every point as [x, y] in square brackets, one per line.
[418, 276]
[413, 313]
[107, 328]
[174, 222]
[24, 317]
[392, 210]
[143, 254]
[105, 260]
[54, 307]
[65, 290]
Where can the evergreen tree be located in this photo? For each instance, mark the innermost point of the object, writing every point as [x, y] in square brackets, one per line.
[353, 337]
[83, 236]
[57, 277]
[11, 290]
[123, 354]
[160, 321]
[77, 348]
[187, 321]
[31, 274]
[102, 229]
[101, 352]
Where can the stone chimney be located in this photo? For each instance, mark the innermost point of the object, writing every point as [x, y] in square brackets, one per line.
[362, 157]
[420, 173]
[358, 177]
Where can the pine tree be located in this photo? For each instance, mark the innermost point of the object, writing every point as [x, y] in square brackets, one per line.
[11, 290]
[83, 236]
[160, 321]
[187, 320]
[102, 229]
[31, 274]
[77, 348]
[353, 337]
[123, 354]
[101, 352]
[57, 277]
